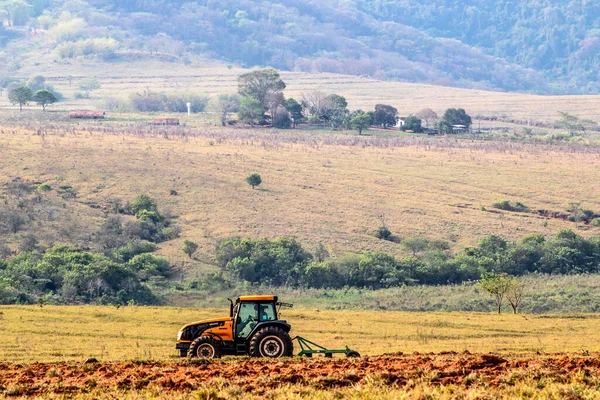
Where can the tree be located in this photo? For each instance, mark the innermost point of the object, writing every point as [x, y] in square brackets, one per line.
[21, 96]
[253, 180]
[361, 120]
[497, 285]
[295, 110]
[456, 116]
[412, 123]
[281, 118]
[272, 102]
[260, 83]
[189, 247]
[571, 123]
[514, 295]
[228, 103]
[36, 83]
[415, 244]
[323, 106]
[89, 84]
[251, 111]
[44, 98]
[385, 115]
[18, 11]
[427, 115]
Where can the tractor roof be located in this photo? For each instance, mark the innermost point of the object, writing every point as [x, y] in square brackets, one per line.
[257, 298]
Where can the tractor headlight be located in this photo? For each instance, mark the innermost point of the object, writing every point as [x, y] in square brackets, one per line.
[179, 334]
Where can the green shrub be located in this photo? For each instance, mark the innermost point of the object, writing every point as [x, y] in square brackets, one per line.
[253, 180]
[189, 248]
[383, 233]
[132, 249]
[596, 222]
[143, 202]
[508, 206]
[44, 187]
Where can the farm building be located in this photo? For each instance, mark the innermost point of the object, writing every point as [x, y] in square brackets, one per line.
[165, 121]
[87, 114]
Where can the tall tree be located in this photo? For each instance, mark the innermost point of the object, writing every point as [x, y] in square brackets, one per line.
[44, 98]
[21, 96]
[497, 285]
[361, 120]
[456, 116]
[259, 84]
[427, 115]
[385, 115]
[413, 124]
[228, 103]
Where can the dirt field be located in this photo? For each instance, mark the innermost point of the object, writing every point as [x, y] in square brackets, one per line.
[495, 373]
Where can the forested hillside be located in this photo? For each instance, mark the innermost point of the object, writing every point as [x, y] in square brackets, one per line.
[547, 46]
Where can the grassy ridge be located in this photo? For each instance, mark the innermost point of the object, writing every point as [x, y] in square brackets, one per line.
[119, 79]
[52, 333]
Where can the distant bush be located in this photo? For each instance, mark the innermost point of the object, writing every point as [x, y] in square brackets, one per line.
[383, 233]
[44, 187]
[132, 249]
[596, 222]
[150, 103]
[508, 206]
[189, 248]
[171, 102]
[254, 180]
[147, 266]
[116, 104]
[282, 119]
[104, 48]
[177, 102]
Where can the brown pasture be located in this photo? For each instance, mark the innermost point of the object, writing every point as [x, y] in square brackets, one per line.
[326, 188]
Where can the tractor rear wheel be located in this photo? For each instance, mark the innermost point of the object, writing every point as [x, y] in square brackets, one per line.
[271, 342]
[204, 347]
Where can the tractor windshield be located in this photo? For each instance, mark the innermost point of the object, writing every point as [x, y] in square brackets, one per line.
[247, 319]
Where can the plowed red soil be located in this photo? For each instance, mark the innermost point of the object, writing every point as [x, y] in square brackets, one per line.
[258, 375]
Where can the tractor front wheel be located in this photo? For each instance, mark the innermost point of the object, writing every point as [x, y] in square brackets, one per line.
[204, 347]
[271, 342]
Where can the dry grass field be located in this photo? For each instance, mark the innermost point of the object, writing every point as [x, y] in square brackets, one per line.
[119, 79]
[327, 188]
[427, 356]
[75, 333]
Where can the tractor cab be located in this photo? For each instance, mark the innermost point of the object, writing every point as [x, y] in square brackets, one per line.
[253, 328]
[249, 311]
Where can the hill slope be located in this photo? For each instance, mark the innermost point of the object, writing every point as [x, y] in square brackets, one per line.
[541, 47]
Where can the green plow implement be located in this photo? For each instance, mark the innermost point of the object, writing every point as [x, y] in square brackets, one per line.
[309, 348]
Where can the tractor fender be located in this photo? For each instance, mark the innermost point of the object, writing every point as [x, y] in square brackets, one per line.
[283, 325]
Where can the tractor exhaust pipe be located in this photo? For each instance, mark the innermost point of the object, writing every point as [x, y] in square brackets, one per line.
[230, 307]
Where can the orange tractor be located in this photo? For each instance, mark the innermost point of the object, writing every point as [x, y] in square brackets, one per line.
[252, 328]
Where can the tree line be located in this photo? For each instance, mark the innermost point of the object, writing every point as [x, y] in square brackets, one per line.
[284, 262]
[260, 101]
